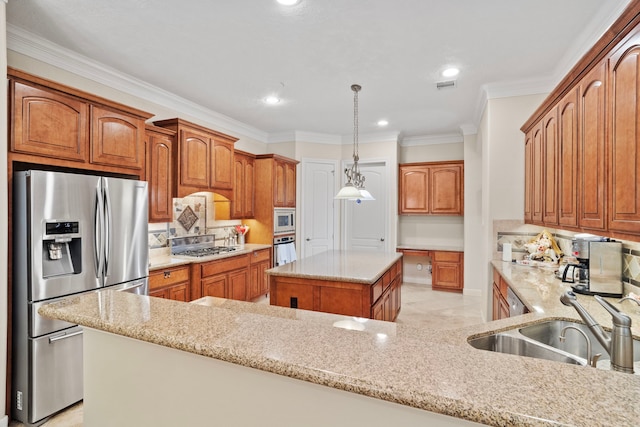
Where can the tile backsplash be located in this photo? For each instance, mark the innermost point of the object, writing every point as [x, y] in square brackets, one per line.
[518, 234]
[192, 215]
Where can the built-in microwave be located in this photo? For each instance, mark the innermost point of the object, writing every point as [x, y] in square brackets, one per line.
[284, 221]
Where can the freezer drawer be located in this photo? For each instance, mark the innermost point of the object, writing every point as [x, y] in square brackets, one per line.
[56, 380]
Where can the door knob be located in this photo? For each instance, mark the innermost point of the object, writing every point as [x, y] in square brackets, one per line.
[308, 239]
[382, 239]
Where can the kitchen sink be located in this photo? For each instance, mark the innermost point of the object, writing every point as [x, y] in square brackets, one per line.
[548, 333]
[512, 344]
[542, 341]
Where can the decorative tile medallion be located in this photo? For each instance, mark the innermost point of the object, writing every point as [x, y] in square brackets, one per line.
[187, 218]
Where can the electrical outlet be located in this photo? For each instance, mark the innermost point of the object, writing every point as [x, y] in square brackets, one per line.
[293, 302]
[19, 400]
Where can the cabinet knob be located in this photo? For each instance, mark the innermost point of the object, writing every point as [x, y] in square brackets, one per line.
[167, 274]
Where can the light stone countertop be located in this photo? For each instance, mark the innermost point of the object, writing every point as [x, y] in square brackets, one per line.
[432, 247]
[347, 266]
[433, 370]
[160, 262]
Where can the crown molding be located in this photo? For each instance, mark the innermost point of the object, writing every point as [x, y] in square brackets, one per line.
[468, 129]
[369, 138]
[36, 47]
[415, 141]
[301, 136]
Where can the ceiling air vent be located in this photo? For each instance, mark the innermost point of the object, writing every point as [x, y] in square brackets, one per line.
[446, 85]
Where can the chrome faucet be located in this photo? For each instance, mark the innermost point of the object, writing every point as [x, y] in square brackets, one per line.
[591, 361]
[619, 344]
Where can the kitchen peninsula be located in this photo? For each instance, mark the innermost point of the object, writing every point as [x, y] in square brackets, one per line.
[354, 283]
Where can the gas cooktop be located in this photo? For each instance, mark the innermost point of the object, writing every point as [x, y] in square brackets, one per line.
[206, 251]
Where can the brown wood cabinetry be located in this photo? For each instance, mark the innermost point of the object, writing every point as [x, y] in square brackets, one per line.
[57, 125]
[203, 158]
[224, 278]
[260, 263]
[380, 300]
[285, 186]
[431, 188]
[624, 136]
[597, 149]
[447, 271]
[244, 185]
[500, 304]
[171, 283]
[159, 147]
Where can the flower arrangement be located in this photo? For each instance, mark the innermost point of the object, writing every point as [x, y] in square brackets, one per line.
[543, 248]
[241, 230]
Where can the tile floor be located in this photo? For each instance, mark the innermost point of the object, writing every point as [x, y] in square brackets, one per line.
[421, 306]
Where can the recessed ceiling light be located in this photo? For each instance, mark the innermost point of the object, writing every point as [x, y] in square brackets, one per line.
[271, 100]
[450, 72]
[288, 2]
[383, 123]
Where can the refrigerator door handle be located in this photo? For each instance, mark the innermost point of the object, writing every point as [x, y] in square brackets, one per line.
[108, 227]
[99, 232]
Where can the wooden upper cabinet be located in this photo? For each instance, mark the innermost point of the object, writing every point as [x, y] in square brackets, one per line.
[550, 168]
[203, 160]
[568, 160]
[446, 189]
[242, 205]
[624, 130]
[414, 185]
[48, 123]
[528, 180]
[61, 126]
[117, 139]
[537, 175]
[592, 179]
[431, 188]
[159, 148]
[284, 195]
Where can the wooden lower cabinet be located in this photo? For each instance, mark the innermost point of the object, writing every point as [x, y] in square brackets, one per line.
[447, 271]
[380, 300]
[170, 283]
[260, 263]
[224, 278]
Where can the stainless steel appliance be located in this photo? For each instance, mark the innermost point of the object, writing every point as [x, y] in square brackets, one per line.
[284, 221]
[598, 269]
[284, 250]
[71, 234]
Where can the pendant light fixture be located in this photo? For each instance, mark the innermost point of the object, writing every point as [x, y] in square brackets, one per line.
[354, 187]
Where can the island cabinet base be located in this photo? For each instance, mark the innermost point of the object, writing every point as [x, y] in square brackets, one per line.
[380, 300]
[161, 386]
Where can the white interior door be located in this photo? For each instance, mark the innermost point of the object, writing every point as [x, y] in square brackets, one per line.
[318, 214]
[366, 221]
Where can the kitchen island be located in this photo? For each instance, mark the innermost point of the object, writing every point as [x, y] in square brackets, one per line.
[354, 283]
[236, 364]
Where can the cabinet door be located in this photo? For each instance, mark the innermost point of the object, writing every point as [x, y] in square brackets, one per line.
[49, 124]
[568, 160]
[592, 148]
[496, 303]
[249, 188]
[159, 176]
[279, 191]
[624, 150]
[238, 281]
[528, 177]
[179, 292]
[447, 270]
[237, 204]
[214, 286]
[550, 168]
[290, 185]
[537, 175]
[195, 167]
[446, 190]
[414, 184]
[159, 293]
[117, 139]
[222, 175]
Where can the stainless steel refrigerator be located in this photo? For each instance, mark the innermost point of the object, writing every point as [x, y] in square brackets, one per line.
[71, 234]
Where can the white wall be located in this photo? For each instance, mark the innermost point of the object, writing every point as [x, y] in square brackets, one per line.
[473, 228]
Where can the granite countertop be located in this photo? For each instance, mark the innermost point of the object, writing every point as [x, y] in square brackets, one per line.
[432, 247]
[346, 266]
[160, 262]
[419, 367]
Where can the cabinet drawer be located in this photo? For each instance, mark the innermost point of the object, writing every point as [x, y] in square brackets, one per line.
[446, 256]
[168, 276]
[376, 290]
[261, 255]
[224, 265]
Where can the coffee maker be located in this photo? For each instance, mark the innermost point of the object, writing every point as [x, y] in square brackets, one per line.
[599, 267]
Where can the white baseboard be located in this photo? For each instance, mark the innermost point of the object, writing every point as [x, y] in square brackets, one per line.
[472, 292]
[4, 421]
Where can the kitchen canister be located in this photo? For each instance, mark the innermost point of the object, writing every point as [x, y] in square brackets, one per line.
[506, 251]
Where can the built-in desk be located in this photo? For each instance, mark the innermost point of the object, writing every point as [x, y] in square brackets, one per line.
[447, 263]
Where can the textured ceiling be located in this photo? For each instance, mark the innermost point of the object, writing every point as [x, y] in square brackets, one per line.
[227, 55]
